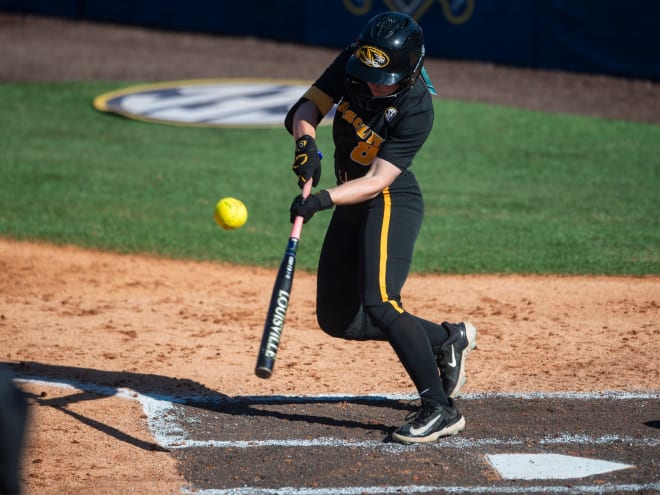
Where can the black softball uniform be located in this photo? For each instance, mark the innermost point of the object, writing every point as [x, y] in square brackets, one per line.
[368, 248]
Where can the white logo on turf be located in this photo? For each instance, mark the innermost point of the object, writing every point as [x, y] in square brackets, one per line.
[207, 102]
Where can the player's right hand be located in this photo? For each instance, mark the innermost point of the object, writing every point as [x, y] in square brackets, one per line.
[307, 207]
[307, 161]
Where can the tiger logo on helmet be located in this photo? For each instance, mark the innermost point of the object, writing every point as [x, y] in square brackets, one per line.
[372, 56]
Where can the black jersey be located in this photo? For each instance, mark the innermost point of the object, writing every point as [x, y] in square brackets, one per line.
[395, 130]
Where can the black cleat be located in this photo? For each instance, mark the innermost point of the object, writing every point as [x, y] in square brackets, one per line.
[429, 423]
[451, 356]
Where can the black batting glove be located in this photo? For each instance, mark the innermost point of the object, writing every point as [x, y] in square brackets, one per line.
[306, 207]
[307, 161]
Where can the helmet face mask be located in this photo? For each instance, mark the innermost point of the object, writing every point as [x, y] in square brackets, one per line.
[362, 97]
[389, 50]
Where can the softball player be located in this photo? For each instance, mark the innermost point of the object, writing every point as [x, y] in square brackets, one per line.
[384, 115]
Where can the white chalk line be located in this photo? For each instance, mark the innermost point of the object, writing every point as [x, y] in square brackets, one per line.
[293, 399]
[377, 490]
[446, 443]
[161, 417]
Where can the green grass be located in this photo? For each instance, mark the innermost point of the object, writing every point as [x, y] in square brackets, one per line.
[506, 190]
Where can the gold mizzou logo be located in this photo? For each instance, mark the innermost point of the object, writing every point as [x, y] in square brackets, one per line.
[372, 57]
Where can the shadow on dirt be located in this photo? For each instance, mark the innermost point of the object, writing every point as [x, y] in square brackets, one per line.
[92, 384]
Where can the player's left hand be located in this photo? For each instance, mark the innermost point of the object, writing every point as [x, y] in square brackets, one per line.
[307, 161]
[307, 207]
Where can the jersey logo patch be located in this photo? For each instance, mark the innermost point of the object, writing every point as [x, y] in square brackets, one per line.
[372, 57]
[390, 113]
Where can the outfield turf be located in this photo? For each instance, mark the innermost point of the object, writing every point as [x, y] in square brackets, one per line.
[506, 190]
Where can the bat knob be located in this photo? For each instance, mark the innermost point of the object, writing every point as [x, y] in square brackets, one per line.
[263, 372]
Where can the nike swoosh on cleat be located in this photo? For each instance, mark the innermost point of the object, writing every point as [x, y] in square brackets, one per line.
[421, 431]
[452, 363]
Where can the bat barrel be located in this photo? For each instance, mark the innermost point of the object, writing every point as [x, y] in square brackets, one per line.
[279, 303]
[279, 300]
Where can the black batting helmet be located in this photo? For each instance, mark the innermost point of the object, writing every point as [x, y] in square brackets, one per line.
[389, 50]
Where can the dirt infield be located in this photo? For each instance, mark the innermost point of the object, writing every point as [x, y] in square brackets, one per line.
[173, 323]
[170, 325]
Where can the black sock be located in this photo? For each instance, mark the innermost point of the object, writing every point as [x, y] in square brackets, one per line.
[411, 344]
[437, 334]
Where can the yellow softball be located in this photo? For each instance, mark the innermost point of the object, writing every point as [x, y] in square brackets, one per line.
[230, 213]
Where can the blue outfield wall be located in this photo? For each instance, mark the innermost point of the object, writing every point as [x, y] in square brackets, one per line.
[613, 37]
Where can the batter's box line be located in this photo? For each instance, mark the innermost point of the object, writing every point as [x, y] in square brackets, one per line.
[164, 424]
[447, 443]
[386, 490]
[328, 398]
[335, 398]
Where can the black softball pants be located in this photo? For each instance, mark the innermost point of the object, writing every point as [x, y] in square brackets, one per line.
[364, 263]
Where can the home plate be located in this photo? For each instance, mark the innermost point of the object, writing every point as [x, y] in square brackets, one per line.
[549, 466]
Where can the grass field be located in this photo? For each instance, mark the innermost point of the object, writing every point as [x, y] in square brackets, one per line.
[506, 190]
